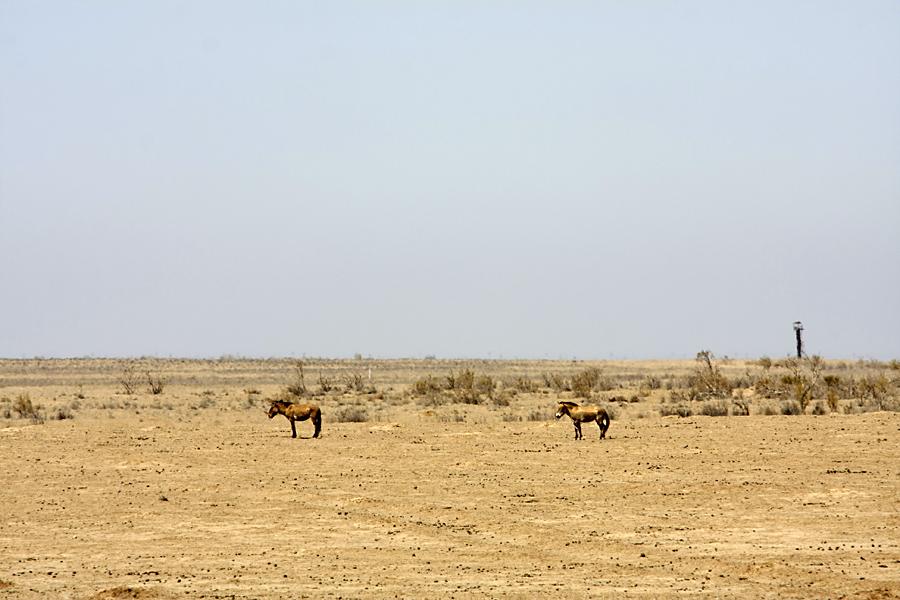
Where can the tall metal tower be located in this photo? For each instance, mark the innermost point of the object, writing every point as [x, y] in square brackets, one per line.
[798, 330]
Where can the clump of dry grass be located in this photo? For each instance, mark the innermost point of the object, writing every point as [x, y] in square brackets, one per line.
[523, 384]
[582, 383]
[298, 386]
[23, 406]
[713, 408]
[127, 593]
[540, 415]
[157, 385]
[350, 414]
[706, 380]
[63, 412]
[679, 410]
[463, 387]
[128, 380]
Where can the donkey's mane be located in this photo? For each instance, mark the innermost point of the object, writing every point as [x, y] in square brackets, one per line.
[570, 403]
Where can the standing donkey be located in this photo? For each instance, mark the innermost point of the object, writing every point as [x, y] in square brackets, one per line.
[297, 412]
[584, 414]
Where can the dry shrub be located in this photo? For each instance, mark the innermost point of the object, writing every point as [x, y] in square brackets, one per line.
[523, 384]
[351, 414]
[769, 410]
[540, 415]
[297, 387]
[713, 408]
[706, 380]
[63, 413]
[502, 398]
[740, 407]
[433, 398]
[791, 407]
[803, 379]
[464, 387]
[157, 386]
[833, 384]
[680, 410]
[127, 593]
[453, 416]
[556, 382]
[426, 386]
[612, 411]
[325, 383]
[820, 408]
[26, 410]
[129, 380]
[648, 384]
[874, 388]
[584, 381]
[354, 382]
[892, 405]
[485, 385]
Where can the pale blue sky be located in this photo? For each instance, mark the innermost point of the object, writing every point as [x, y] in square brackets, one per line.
[460, 179]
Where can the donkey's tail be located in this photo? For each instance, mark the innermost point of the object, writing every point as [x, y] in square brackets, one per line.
[317, 421]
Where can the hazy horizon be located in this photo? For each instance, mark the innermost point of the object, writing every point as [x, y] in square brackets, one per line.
[603, 181]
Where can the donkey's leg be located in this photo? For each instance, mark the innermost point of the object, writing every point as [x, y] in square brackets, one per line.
[578, 433]
[293, 428]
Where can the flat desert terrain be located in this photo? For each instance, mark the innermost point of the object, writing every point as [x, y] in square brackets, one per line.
[420, 487]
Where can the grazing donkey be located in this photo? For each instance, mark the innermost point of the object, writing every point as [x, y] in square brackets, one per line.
[584, 414]
[297, 412]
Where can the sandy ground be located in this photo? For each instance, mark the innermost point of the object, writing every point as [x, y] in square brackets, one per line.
[225, 504]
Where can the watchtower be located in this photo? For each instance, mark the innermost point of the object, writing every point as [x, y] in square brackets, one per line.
[798, 330]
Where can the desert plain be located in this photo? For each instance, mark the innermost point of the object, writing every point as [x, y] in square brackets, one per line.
[447, 479]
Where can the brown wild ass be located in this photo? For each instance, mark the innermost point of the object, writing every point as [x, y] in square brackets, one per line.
[584, 414]
[297, 412]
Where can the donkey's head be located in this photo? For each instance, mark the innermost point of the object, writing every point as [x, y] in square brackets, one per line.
[275, 409]
[564, 408]
[561, 410]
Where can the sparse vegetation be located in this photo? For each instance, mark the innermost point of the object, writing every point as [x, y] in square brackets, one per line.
[129, 380]
[354, 382]
[707, 386]
[351, 414]
[802, 379]
[463, 387]
[325, 383]
[713, 408]
[678, 410]
[298, 386]
[23, 407]
[158, 385]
